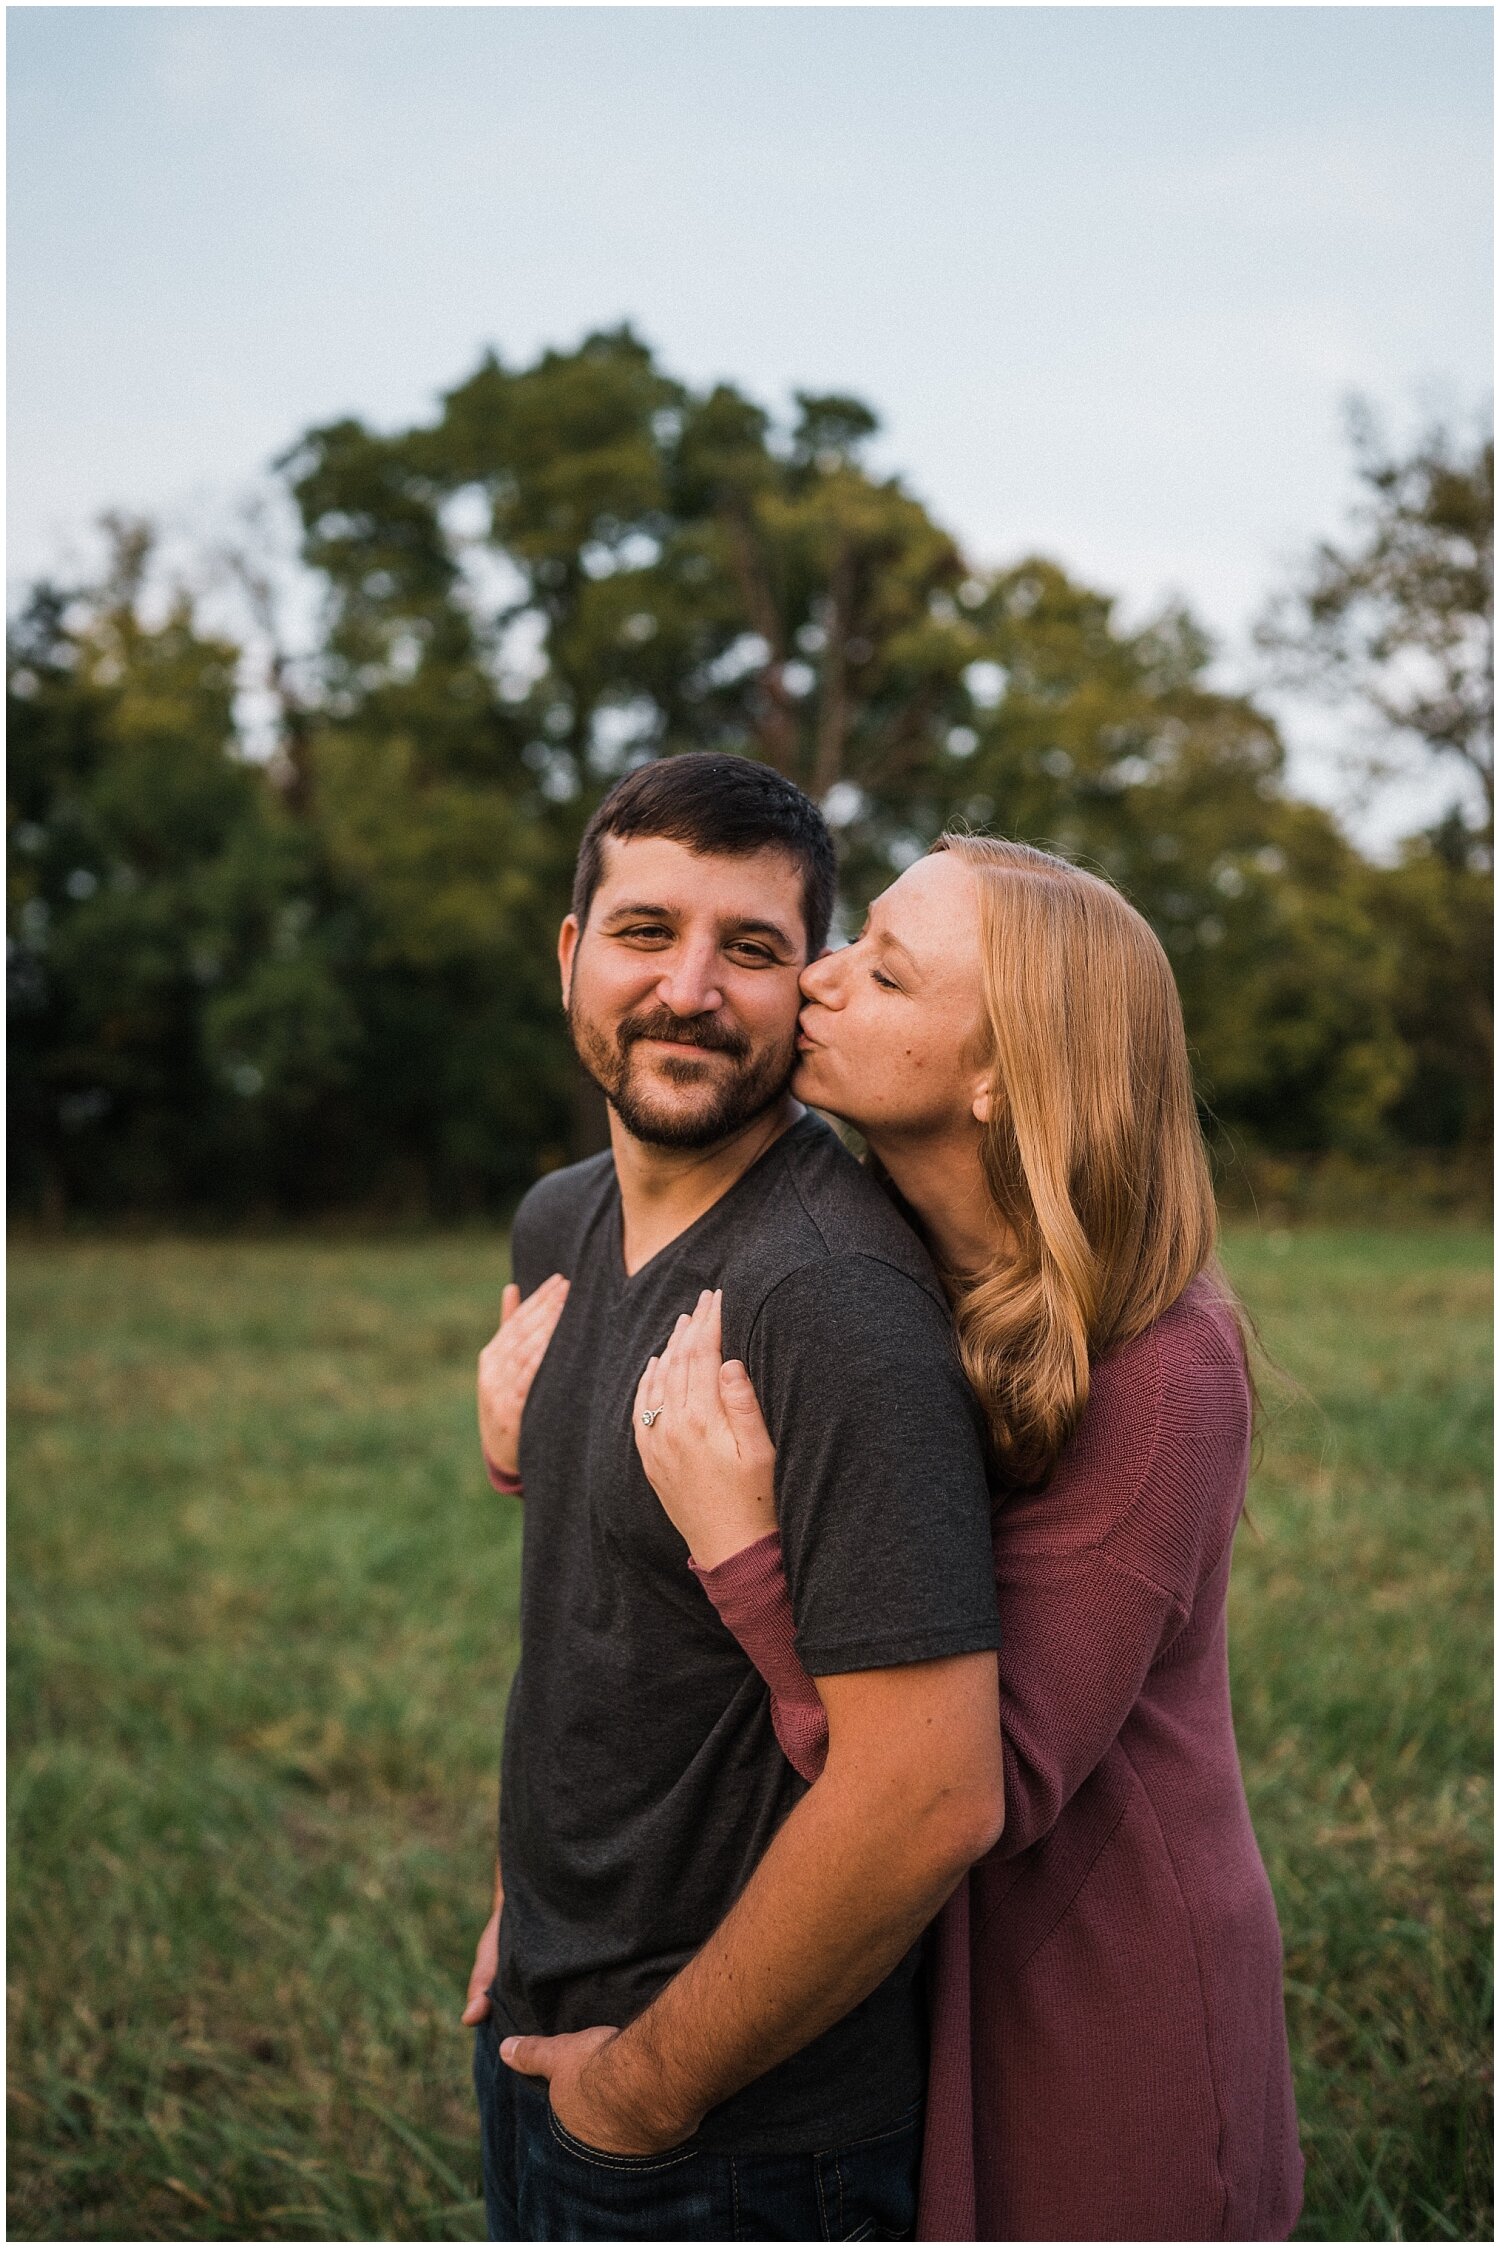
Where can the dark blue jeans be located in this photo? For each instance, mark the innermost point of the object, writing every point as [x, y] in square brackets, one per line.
[540, 2183]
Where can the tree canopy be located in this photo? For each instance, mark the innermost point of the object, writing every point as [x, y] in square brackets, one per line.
[1402, 616]
[327, 978]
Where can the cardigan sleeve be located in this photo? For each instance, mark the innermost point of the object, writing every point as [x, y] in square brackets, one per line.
[1093, 1580]
[750, 1593]
[1076, 1654]
[1079, 1643]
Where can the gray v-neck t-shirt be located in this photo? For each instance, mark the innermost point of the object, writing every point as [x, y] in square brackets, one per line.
[641, 1780]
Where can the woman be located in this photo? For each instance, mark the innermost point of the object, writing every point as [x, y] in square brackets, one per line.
[1109, 2056]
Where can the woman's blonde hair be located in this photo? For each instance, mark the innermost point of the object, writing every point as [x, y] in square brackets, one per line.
[1092, 1153]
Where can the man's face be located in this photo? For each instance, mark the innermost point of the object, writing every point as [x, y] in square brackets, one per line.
[682, 990]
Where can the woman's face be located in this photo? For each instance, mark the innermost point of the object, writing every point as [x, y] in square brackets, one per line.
[891, 1032]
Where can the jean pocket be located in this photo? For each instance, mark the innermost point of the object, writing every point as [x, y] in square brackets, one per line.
[867, 2190]
[637, 2165]
[909, 2119]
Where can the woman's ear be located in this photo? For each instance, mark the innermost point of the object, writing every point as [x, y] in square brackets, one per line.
[981, 1103]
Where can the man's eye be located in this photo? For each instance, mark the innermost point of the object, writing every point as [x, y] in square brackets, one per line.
[648, 931]
[754, 955]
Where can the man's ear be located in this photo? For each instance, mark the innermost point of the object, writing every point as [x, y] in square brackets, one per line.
[567, 947]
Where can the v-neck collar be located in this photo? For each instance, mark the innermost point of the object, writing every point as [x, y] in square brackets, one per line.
[624, 1280]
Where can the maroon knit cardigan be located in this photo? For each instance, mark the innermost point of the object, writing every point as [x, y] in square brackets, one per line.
[1109, 2052]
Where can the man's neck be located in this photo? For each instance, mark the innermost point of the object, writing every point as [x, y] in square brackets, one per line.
[664, 1189]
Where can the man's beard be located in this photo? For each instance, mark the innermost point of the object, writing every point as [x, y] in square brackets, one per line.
[731, 1100]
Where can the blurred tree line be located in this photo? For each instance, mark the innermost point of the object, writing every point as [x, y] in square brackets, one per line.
[324, 977]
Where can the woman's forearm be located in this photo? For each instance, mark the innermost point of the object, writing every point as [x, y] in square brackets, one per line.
[749, 1590]
[1063, 1694]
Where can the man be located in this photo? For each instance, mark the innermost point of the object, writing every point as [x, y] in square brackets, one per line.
[708, 2015]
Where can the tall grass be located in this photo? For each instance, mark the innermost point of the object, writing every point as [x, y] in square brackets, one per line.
[262, 1622]
[1361, 1648]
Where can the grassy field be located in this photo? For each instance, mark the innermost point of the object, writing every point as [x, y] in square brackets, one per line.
[262, 1618]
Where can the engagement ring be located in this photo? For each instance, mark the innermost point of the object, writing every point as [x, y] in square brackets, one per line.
[653, 1415]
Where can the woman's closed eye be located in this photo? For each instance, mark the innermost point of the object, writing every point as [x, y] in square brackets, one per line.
[877, 975]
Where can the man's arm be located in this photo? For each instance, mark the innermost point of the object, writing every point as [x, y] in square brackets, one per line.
[911, 1794]
[486, 1959]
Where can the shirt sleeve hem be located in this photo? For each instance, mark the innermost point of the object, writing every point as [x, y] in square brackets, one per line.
[832, 1658]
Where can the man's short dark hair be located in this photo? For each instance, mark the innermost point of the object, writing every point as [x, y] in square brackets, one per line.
[713, 801]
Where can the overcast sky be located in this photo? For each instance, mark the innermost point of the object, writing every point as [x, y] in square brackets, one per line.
[1106, 274]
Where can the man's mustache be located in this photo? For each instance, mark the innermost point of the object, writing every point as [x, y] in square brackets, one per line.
[683, 1030]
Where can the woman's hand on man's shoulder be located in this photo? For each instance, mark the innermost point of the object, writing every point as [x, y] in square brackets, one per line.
[507, 1369]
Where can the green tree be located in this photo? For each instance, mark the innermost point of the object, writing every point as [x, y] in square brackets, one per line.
[154, 888]
[325, 975]
[1439, 912]
[576, 566]
[1399, 621]
[1108, 746]
[669, 570]
[664, 571]
[1401, 617]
